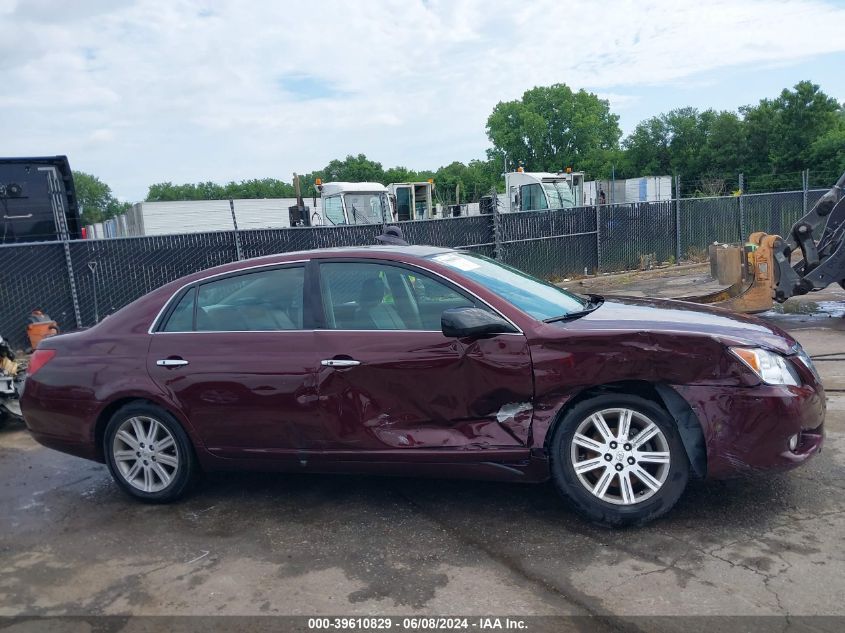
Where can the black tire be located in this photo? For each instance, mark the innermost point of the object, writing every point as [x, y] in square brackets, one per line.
[588, 504]
[183, 475]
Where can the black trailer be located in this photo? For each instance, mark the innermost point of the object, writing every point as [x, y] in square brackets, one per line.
[37, 200]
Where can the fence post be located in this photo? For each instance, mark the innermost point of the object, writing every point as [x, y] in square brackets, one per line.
[497, 231]
[92, 266]
[741, 207]
[58, 202]
[598, 238]
[805, 177]
[677, 219]
[74, 296]
[238, 251]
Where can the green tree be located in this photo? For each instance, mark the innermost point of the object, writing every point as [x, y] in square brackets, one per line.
[670, 143]
[647, 148]
[725, 144]
[707, 148]
[353, 169]
[254, 188]
[827, 156]
[802, 116]
[448, 178]
[95, 198]
[757, 122]
[399, 174]
[782, 135]
[552, 127]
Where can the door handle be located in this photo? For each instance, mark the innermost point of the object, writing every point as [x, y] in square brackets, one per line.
[339, 362]
[171, 362]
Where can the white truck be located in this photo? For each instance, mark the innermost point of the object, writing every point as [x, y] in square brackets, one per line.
[372, 202]
[535, 191]
[412, 200]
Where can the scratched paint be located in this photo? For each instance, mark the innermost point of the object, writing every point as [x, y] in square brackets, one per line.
[511, 410]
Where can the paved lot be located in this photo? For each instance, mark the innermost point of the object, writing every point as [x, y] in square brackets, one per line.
[70, 543]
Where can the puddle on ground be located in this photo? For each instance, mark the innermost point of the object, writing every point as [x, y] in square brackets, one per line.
[816, 309]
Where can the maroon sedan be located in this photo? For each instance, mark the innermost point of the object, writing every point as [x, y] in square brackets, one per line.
[424, 361]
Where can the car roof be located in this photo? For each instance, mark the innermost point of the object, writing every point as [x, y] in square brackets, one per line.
[348, 251]
[397, 252]
[415, 251]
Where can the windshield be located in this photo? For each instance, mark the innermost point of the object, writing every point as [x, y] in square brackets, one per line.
[533, 296]
[560, 194]
[366, 208]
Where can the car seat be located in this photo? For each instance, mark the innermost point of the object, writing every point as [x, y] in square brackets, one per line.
[372, 313]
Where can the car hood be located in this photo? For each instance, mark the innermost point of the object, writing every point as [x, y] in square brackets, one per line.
[683, 318]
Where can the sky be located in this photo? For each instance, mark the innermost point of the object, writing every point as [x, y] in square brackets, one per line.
[144, 91]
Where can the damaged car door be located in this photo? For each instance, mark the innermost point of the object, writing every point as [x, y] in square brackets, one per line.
[389, 379]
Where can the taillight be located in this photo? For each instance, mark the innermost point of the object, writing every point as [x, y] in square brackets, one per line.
[40, 358]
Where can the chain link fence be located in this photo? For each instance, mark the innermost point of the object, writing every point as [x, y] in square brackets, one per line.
[78, 282]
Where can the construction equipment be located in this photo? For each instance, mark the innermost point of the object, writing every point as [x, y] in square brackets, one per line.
[535, 191]
[40, 326]
[11, 384]
[299, 214]
[767, 271]
[37, 200]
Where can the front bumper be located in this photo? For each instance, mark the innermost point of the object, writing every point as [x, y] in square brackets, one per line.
[747, 429]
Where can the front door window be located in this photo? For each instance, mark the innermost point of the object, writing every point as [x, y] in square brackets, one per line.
[364, 296]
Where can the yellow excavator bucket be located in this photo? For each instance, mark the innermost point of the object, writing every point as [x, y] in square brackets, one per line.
[754, 289]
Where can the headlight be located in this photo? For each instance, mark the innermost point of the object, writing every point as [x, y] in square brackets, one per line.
[804, 357]
[770, 367]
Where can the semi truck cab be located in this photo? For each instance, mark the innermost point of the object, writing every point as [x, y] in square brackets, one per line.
[535, 191]
[354, 203]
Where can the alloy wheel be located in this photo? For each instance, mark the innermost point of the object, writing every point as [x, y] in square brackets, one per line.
[620, 456]
[145, 454]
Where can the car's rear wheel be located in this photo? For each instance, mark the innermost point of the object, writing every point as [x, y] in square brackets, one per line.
[619, 459]
[149, 454]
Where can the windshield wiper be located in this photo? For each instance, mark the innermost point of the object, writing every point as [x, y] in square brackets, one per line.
[594, 302]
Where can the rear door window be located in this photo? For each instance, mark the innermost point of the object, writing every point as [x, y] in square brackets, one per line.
[182, 317]
[267, 300]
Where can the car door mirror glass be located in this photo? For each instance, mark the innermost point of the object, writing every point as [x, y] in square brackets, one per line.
[473, 322]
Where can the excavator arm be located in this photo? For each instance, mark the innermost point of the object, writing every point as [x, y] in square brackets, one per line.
[768, 273]
[823, 261]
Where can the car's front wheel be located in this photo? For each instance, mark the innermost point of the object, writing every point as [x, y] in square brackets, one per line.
[619, 459]
[149, 454]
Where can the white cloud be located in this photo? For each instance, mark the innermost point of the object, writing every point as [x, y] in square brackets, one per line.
[187, 90]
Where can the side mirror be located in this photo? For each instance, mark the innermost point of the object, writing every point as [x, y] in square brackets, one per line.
[472, 322]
